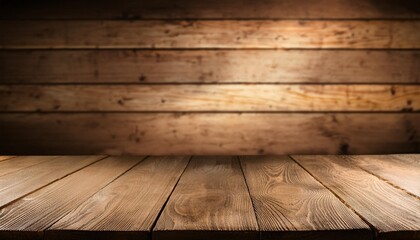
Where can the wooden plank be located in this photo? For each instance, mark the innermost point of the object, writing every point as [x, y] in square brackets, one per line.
[403, 174]
[290, 204]
[211, 201]
[2, 158]
[262, 34]
[208, 133]
[218, 98]
[17, 184]
[28, 217]
[128, 207]
[393, 213]
[209, 66]
[214, 9]
[22, 162]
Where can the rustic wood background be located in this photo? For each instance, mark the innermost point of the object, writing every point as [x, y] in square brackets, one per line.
[236, 77]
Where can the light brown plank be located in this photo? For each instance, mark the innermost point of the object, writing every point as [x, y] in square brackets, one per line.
[290, 204]
[403, 174]
[393, 213]
[212, 134]
[232, 97]
[203, 66]
[263, 34]
[2, 158]
[210, 9]
[19, 183]
[22, 162]
[128, 207]
[28, 217]
[211, 201]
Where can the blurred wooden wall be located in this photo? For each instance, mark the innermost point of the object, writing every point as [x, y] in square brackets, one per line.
[209, 77]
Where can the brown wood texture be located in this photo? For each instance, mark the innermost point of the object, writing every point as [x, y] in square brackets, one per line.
[262, 34]
[204, 66]
[28, 217]
[211, 9]
[391, 211]
[196, 134]
[397, 170]
[19, 183]
[128, 207]
[290, 204]
[22, 162]
[211, 201]
[218, 98]
[2, 158]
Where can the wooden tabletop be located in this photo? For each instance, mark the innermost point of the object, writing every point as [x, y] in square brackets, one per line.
[247, 197]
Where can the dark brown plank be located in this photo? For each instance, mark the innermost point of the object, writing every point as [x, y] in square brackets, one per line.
[210, 9]
[128, 207]
[404, 174]
[290, 204]
[392, 212]
[28, 217]
[19, 183]
[262, 34]
[211, 201]
[203, 66]
[218, 98]
[208, 133]
[22, 162]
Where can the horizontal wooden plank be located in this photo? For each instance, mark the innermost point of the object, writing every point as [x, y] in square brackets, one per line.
[222, 134]
[392, 212]
[204, 66]
[2, 158]
[218, 98]
[143, 9]
[210, 201]
[22, 162]
[290, 204]
[262, 34]
[28, 217]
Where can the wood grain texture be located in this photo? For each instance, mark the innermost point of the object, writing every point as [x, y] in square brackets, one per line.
[22, 162]
[393, 213]
[290, 204]
[211, 201]
[218, 98]
[195, 134]
[128, 207]
[403, 174]
[19, 183]
[28, 217]
[2, 158]
[211, 9]
[262, 34]
[203, 66]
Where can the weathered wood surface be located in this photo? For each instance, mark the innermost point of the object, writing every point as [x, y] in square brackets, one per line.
[203, 66]
[210, 9]
[19, 183]
[262, 34]
[290, 204]
[218, 98]
[397, 170]
[211, 201]
[391, 211]
[28, 217]
[223, 134]
[22, 162]
[128, 207]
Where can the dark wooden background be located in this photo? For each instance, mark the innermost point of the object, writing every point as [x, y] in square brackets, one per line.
[209, 77]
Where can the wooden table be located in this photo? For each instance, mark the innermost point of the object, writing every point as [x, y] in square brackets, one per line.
[252, 197]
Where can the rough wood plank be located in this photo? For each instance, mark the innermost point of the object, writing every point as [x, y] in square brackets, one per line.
[17, 184]
[204, 66]
[211, 134]
[211, 201]
[393, 213]
[2, 158]
[128, 207]
[210, 9]
[290, 204]
[28, 217]
[403, 174]
[22, 162]
[263, 34]
[219, 98]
